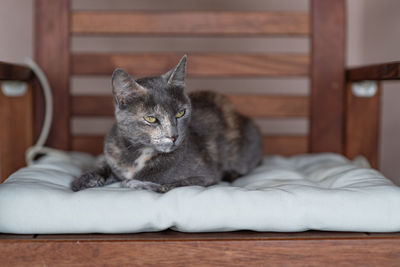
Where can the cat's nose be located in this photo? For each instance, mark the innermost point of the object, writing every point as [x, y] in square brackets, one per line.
[173, 138]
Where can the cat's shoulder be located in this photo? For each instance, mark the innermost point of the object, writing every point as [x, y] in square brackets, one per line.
[212, 108]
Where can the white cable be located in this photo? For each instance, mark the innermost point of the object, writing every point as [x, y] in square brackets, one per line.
[48, 98]
[38, 148]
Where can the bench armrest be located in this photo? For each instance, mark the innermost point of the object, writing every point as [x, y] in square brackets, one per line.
[378, 72]
[16, 114]
[363, 113]
[14, 72]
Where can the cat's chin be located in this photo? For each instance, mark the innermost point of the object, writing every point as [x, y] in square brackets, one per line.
[167, 149]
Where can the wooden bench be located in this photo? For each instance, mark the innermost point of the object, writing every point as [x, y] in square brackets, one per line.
[339, 122]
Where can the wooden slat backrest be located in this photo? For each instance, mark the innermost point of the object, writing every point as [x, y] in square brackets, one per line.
[199, 65]
[56, 23]
[327, 76]
[52, 53]
[195, 23]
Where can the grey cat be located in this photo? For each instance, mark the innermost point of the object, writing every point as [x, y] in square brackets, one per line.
[164, 138]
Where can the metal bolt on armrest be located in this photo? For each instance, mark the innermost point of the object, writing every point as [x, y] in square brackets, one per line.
[13, 88]
[364, 88]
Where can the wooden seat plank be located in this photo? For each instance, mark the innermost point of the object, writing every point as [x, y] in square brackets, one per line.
[358, 251]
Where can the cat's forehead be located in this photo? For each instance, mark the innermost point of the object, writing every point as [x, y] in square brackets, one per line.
[164, 101]
[159, 92]
[153, 83]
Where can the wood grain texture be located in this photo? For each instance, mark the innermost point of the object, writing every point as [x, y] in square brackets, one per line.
[362, 126]
[92, 144]
[285, 145]
[199, 64]
[53, 56]
[327, 76]
[250, 105]
[271, 105]
[190, 23]
[16, 131]
[378, 72]
[16, 237]
[272, 145]
[301, 252]
[14, 72]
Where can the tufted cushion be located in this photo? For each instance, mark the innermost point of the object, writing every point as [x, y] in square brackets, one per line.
[316, 191]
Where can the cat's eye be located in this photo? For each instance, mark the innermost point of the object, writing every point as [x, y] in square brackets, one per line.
[180, 113]
[150, 119]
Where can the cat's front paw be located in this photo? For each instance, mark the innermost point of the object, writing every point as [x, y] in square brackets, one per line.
[163, 188]
[138, 185]
[87, 180]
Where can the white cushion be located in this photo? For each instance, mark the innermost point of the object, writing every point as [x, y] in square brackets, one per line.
[317, 191]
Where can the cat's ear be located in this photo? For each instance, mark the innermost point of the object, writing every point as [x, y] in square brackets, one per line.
[176, 76]
[124, 86]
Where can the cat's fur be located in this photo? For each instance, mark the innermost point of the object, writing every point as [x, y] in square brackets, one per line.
[210, 142]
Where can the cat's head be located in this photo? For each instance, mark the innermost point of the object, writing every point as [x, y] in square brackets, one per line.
[153, 111]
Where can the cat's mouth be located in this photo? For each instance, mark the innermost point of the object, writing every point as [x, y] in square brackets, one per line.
[166, 147]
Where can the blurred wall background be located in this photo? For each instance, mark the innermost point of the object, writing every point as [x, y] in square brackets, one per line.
[373, 36]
